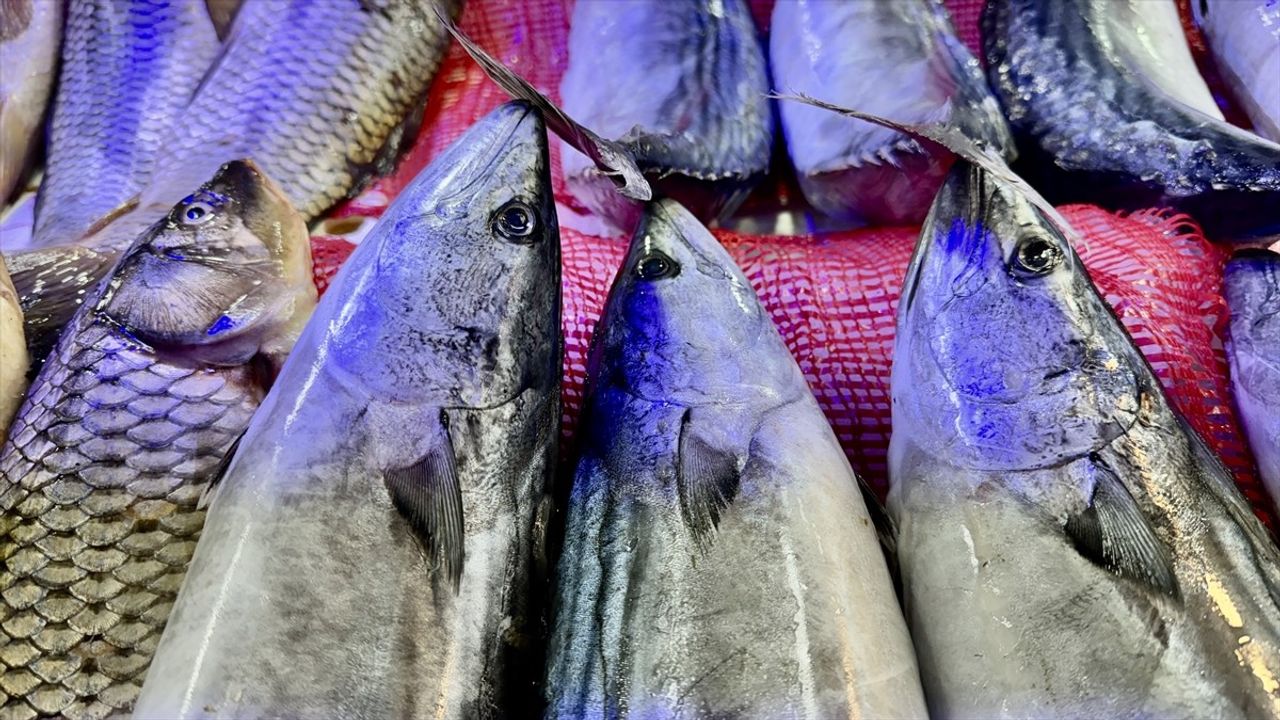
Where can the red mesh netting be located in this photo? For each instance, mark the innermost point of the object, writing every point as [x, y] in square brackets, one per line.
[834, 296]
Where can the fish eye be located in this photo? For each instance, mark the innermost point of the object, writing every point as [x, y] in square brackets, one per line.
[1037, 256]
[655, 265]
[516, 222]
[196, 213]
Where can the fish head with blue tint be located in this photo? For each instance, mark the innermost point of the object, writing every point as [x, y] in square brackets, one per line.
[683, 325]
[453, 299]
[1006, 357]
[225, 275]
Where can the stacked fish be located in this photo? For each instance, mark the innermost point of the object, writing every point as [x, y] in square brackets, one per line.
[387, 534]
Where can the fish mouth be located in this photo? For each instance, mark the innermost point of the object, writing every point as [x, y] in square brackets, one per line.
[505, 129]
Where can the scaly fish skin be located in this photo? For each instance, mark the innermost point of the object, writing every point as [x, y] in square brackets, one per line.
[99, 478]
[719, 560]
[1095, 123]
[129, 68]
[384, 514]
[1252, 287]
[1068, 546]
[13, 351]
[30, 32]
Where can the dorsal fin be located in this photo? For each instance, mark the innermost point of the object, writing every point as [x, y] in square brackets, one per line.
[428, 496]
[707, 479]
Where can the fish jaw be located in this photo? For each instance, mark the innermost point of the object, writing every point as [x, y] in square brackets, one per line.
[1252, 287]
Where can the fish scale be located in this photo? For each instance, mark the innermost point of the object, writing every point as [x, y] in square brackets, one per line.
[106, 464]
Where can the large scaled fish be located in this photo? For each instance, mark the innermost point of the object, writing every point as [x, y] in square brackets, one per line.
[151, 383]
[719, 560]
[13, 351]
[682, 84]
[1245, 38]
[30, 31]
[371, 551]
[129, 67]
[1068, 546]
[899, 59]
[1252, 288]
[1105, 111]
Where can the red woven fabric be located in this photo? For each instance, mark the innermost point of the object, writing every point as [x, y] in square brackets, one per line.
[834, 296]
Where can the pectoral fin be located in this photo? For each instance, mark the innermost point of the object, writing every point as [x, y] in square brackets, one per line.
[428, 496]
[707, 479]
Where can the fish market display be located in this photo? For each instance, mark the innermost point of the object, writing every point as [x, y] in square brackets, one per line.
[899, 59]
[719, 560]
[1252, 287]
[30, 31]
[129, 67]
[1068, 546]
[371, 549]
[149, 386]
[13, 351]
[1098, 119]
[1245, 38]
[682, 84]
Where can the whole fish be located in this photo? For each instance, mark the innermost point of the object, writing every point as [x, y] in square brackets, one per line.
[1098, 119]
[1068, 546]
[371, 550]
[151, 383]
[30, 31]
[899, 59]
[1252, 287]
[682, 84]
[129, 67]
[1245, 38]
[13, 351]
[718, 560]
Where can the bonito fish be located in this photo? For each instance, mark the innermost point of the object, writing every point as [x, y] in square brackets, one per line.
[682, 84]
[897, 58]
[719, 560]
[1068, 546]
[1245, 38]
[13, 351]
[1252, 288]
[149, 386]
[30, 31]
[387, 571]
[1104, 111]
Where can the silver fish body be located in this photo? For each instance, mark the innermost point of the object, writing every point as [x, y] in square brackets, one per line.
[129, 67]
[371, 551]
[1245, 39]
[1097, 121]
[899, 59]
[1068, 546]
[30, 32]
[718, 559]
[99, 479]
[1252, 287]
[13, 351]
[682, 84]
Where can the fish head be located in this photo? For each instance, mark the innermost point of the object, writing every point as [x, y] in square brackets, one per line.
[224, 276]
[682, 323]
[1006, 357]
[453, 298]
[1251, 283]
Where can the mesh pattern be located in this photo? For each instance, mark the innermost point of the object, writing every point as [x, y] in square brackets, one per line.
[834, 297]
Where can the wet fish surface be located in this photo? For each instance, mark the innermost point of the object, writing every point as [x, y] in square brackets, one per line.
[685, 92]
[30, 32]
[1068, 546]
[13, 351]
[388, 571]
[1098, 121]
[150, 384]
[1245, 38]
[900, 59]
[1251, 284]
[129, 67]
[718, 559]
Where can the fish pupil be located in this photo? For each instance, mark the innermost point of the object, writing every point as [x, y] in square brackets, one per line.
[515, 222]
[195, 213]
[1037, 256]
[656, 266]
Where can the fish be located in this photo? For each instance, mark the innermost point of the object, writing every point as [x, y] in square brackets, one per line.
[13, 351]
[120, 433]
[685, 93]
[1245, 40]
[129, 67]
[719, 560]
[373, 548]
[50, 284]
[1068, 546]
[30, 33]
[1098, 116]
[896, 58]
[1251, 284]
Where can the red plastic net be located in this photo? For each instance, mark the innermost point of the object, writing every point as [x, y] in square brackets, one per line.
[834, 296]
